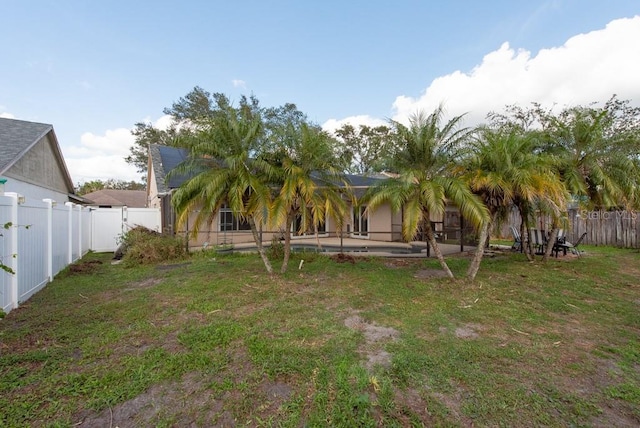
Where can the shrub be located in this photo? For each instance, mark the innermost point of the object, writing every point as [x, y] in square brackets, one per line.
[144, 246]
[276, 250]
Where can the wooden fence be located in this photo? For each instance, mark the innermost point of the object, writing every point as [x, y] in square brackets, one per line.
[614, 228]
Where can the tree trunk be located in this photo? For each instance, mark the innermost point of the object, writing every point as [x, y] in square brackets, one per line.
[477, 257]
[525, 237]
[436, 249]
[551, 242]
[287, 243]
[256, 238]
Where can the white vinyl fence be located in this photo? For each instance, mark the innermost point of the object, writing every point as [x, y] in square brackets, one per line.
[40, 238]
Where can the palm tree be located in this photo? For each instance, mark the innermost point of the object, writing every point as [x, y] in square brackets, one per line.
[426, 156]
[222, 171]
[592, 160]
[504, 170]
[594, 156]
[309, 184]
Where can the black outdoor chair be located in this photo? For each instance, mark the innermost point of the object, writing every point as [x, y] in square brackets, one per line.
[564, 245]
[574, 247]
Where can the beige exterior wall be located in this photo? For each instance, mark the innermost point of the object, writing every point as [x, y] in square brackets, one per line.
[211, 235]
[40, 166]
[153, 201]
[380, 223]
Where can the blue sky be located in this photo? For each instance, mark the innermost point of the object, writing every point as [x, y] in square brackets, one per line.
[93, 69]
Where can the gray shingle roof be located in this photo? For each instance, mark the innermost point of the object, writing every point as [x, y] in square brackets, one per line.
[113, 197]
[164, 160]
[16, 138]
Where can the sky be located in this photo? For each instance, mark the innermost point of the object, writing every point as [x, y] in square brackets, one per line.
[93, 69]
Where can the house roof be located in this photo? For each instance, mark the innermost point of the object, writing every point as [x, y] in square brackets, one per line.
[111, 197]
[17, 137]
[165, 159]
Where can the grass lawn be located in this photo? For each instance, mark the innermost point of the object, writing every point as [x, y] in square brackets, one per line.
[215, 341]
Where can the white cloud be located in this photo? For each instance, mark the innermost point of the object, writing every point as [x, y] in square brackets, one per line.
[6, 115]
[332, 124]
[101, 157]
[100, 168]
[163, 123]
[586, 68]
[237, 83]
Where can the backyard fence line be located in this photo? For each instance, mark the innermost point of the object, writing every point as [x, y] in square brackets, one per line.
[619, 228]
[38, 239]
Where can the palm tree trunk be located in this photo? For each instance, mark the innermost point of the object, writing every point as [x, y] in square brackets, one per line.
[287, 243]
[436, 249]
[482, 242]
[551, 242]
[525, 234]
[256, 238]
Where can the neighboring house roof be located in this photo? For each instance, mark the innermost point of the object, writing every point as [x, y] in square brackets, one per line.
[17, 137]
[165, 158]
[118, 198]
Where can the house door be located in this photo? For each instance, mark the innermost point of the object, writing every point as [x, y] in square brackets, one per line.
[360, 223]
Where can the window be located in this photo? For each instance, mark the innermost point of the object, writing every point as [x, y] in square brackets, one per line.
[297, 223]
[360, 222]
[229, 222]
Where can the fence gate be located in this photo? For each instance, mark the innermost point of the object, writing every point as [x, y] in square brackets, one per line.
[108, 224]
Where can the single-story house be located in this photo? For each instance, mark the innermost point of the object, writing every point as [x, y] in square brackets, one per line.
[226, 228]
[31, 162]
[113, 198]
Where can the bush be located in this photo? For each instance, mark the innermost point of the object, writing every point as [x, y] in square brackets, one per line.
[276, 250]
[142, 246]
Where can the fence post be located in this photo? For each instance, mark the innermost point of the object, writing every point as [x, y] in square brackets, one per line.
[69, 205]
[50, 204]
[80, 231]
[13, 242]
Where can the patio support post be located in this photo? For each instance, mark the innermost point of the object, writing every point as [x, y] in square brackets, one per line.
[461, 233]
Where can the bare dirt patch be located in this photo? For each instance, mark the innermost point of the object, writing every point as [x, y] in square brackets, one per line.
[187, 401]
[375, 338]
[89, 266]
[466, 332]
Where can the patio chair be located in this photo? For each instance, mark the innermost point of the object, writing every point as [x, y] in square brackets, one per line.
[564, 245]
[574, 247]
[517, 240]
[538, 240]
[561, 243]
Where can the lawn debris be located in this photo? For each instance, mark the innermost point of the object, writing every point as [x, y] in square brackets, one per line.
[343, 258]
